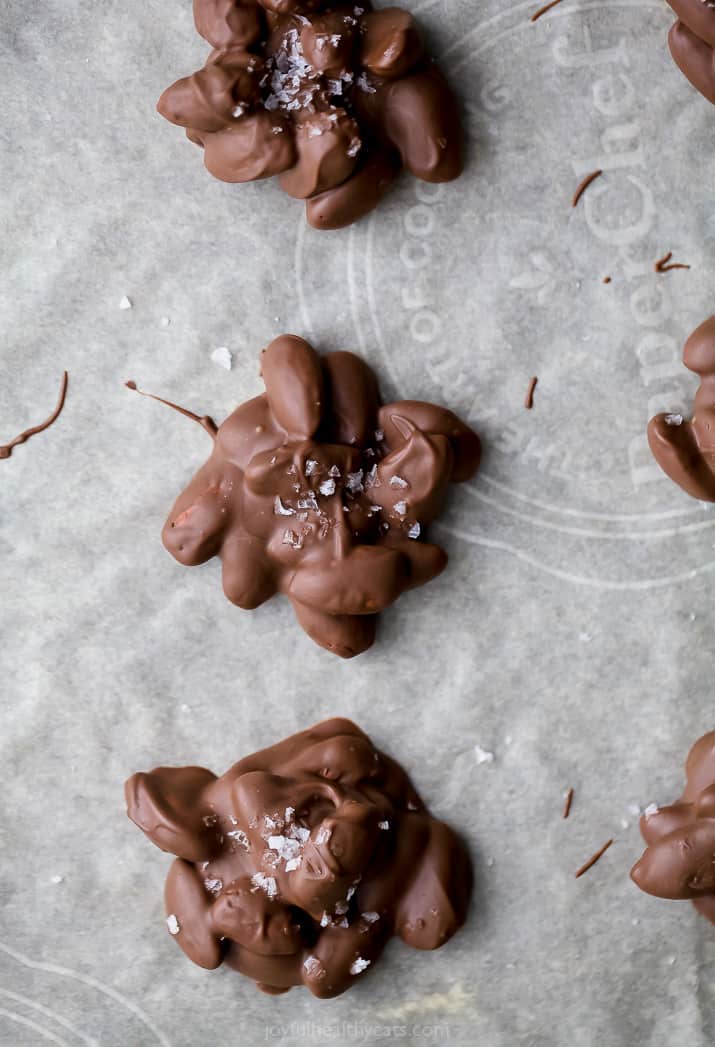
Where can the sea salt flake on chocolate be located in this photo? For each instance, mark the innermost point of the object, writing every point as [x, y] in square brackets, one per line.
[310, 466]
[238, 110]
[341, 908]
[650, 810]
[288, 815]
[674, 419]
[351, 892]
[323, 835]
[415, 531]
[292, 864]
[344, 923]
[281, 510]
[398, 481]
[213, 886]
[355, 146]
[354, 482]
[401, 508]
[364, 84]
[209, 820]
[222, 357]
[327, 488]
[241, 839]
[173, 924]
[370, 916]
[296, 541]
[300, 833]
[261, 882]
[286, 847]
[334, 472]
[312, 965]
[383, 825]
[359, 965]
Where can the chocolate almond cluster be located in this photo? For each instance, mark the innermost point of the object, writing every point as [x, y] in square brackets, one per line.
[300, 863]
[332, 98]
[316, 491]
[692, 43]
[685, 450]
[679, 862]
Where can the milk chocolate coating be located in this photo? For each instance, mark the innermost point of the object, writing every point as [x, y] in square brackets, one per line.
[692, 43]
[316, 491]
[685, 450]
[331, 98]
[680, 858]
[300, 863]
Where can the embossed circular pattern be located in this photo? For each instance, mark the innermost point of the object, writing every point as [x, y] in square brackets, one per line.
[498, 279]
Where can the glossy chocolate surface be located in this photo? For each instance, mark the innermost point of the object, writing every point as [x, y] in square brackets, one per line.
[317, 491]
[685, 450]
[692, 43]
[332, 98]
[679, 862]
[300, 863]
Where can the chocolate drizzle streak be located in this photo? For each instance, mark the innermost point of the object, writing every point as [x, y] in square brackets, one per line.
[204, 421]
[568, 803]
[583, 186]
[542, 10]
[529, 398]
[662, 266]
[593, 859]
[7, 449]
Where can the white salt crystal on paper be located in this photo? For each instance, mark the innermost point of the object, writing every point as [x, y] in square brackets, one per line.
[359, 965]
[173, 924]
[483, 755]
[222, 357]
[125, 303]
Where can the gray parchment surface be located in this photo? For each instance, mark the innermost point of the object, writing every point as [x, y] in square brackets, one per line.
[572, 633]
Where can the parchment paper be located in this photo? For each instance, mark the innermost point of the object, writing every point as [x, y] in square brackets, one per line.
[572, 634]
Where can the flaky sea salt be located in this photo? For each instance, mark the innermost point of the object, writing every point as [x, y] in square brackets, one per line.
[323, 835]
[370, 916]
[261, 882]
[57, 879]
[359, 965]
[674, 419]
[397, 481]
[354, 482]
[415, 531]
[173, 924]
[483, 755]
[286, 847]
[281, 510]
[324, 920]
[222, 357]
[401, 508]
[125, 303]
[327, 488]
[650, 810]
[240, 837]
[310, 466]
[383, 825]
[293, 864]
[312, 965]
[213, 886]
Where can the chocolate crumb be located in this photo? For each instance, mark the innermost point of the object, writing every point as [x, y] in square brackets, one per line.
[542, 10]
[529, 398]
[593, 859]
[606, 280]
[7, 449]
[569, 801]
